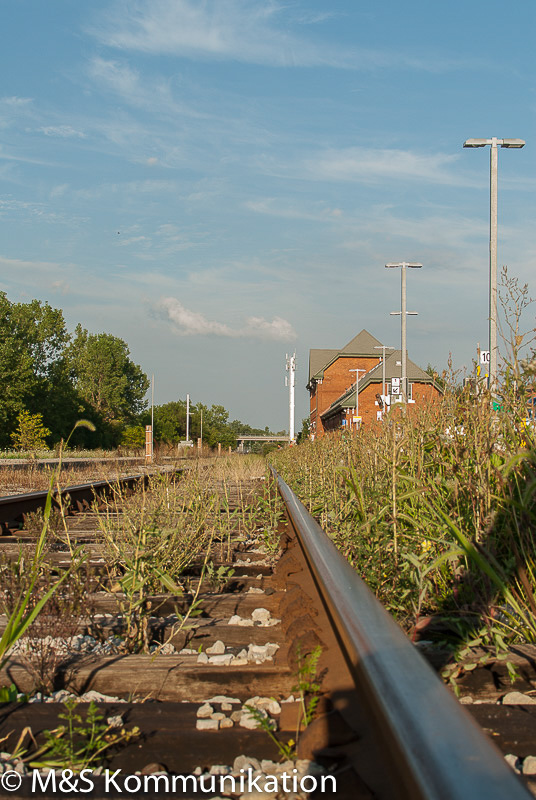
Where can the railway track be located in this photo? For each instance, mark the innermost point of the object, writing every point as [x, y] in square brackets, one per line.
[223, 694]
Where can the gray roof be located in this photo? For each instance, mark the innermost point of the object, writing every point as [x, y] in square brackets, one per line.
[361, 345]
[393, 369]
[319, 359]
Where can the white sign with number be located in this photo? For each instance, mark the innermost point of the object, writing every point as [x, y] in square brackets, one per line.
[395, 385]
[484, 356]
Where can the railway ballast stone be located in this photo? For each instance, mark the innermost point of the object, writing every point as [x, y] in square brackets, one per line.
[222, 660]
[518, 699]
[529, 765]
[205, 711]
[513, 761]
[207, 724]
[217, 649]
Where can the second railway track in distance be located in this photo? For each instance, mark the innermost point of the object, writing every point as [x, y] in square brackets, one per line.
[254, 663]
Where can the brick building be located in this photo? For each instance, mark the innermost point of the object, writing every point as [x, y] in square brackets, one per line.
[332, 383]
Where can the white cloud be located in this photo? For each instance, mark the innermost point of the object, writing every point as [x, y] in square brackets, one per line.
[240, 30]
[16, 101]
[63, 131]
[192, 323]
[249, 31]
[371, 165]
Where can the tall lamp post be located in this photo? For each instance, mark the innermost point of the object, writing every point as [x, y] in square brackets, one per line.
[357, 371]
[493, 160]
[403, 314]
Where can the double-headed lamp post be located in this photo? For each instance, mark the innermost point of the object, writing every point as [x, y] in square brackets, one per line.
[383, 348]
[403, 314]
[494, 143]
[357, 371]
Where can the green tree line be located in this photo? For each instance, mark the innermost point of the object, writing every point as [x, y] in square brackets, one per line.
[51, 378]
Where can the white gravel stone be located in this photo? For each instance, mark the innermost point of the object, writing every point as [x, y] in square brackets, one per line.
[270, 705]
[513, 761]
[529, 765]
[202, 658]
[205, 711]
[226, 706]
[207, 724]
[226, 723]
[221, 660]
[222, 698]
[167, 649]
[98, 697]
[187, 651]
[246, 762]
[239, 662]
[518, 699]
[218, 715]
[260, 615]
[115, 721]
[217, 649]
[467, 700]
[219, 769]
[248, 721]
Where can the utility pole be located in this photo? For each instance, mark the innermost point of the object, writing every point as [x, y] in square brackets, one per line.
[493, 162]
[187, 418]
[291, 368]
[357, 371]
[383, 348]
[403, 313]
[152, 417]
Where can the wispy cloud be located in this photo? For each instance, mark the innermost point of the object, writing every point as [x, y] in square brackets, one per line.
[186, 322]
[63, 131]
[372, 165]
[248, 31]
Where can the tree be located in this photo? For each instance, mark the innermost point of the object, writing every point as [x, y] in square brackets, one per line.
[133, 436]
[105, 377]
[303, 435]
[31, 434]
[32, 341]
[216, 428]
[170, 422]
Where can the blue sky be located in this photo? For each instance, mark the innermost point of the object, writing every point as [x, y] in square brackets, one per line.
[220, 182]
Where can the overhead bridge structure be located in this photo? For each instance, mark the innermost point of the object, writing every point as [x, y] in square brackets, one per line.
[242, 439]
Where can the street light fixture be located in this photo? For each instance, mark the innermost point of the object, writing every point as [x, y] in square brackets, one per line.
[357, 371]
[383, 348]
[403, 314]
[493, 160]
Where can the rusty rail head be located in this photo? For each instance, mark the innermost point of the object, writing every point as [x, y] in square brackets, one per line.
[14, 507]
[433, 744]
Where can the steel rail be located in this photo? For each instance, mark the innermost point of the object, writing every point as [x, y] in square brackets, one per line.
[14, 507]
[432, 745]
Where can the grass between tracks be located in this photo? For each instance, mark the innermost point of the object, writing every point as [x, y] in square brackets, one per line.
[149, 540]
[436, 510]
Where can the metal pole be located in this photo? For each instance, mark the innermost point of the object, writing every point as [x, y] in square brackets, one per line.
[152, 417]
[291, 367]
[493, 153]
[403, 331]
[357, 371]
[403, 313]
[494, 143]
[383, 348]
[187, 417]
